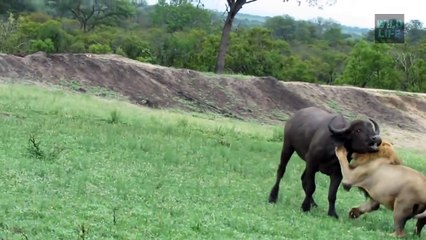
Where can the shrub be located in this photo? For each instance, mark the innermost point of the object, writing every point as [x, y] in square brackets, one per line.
[77, 47]
[120, 51]
[41, 45]
[100, 48]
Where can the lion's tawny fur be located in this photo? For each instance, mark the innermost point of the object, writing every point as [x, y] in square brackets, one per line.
[386, 150]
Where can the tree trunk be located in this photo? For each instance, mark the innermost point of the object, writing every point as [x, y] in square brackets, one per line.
[220, 60]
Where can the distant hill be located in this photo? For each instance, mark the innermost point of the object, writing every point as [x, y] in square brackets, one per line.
[243, 19]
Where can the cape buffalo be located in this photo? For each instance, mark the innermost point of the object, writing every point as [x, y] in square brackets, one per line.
[313, 133]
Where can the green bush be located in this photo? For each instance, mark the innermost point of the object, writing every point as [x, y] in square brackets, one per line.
[145, 59]
[100, 48]
[52, 30]
[132, 46]
[45, 45]
[77, 47]
[120, 51]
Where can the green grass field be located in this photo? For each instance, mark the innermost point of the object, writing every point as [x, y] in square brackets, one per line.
[79, 167]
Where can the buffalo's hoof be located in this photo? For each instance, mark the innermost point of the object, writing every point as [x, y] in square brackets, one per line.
[355, 213]
[306, 206]
[273, 197]
[333, 214]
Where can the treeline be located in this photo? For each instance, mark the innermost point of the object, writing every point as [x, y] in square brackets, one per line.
[181, 33]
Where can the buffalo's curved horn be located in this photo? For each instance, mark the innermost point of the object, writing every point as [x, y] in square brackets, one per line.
[332, 123]
[375, 126]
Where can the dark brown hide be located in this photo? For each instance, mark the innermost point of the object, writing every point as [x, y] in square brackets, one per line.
[313, 134]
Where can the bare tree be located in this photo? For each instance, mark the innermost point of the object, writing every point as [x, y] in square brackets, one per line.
[232, 8]
[406, 61]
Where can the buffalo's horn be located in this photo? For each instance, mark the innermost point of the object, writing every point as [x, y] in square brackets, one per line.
[335, 130]
[375, 126]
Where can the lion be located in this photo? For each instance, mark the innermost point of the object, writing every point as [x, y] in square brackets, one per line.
[388, 182]
[386, 150]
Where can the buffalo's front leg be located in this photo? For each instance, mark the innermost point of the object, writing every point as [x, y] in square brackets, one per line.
[335, 180]
[313, 203]
[309, 185]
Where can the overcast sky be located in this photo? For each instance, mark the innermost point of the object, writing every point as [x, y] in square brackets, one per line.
[347, 12]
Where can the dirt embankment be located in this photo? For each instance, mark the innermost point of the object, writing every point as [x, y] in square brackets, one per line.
[401, 115]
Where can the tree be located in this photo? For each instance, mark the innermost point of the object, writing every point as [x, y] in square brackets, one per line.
[91, 13]
[232, 8]
[256, 52]
[282, 27]
[180, 15]
[370, 65]
[415, 31]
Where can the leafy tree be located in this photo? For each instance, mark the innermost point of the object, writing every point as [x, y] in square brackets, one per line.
[295, 69]
[282, 27]
[255, 52]
[92, 13]
[370, 65]
[233, 7]
[181, 15]
[326, 62]
[419, 70]
[334, 36]
[185, 50]
[37, 26]
[415, 32]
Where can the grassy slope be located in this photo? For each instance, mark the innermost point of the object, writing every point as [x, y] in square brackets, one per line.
[154, 174]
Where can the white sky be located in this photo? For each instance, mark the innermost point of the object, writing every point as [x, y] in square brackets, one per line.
[358, 13]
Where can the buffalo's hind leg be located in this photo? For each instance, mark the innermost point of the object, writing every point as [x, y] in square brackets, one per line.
[286, 153]
[335, 180]
[313, 203]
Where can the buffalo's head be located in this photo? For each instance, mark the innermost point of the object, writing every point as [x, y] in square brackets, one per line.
[359, 135]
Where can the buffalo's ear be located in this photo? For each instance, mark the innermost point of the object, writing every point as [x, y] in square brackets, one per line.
[339, 126]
